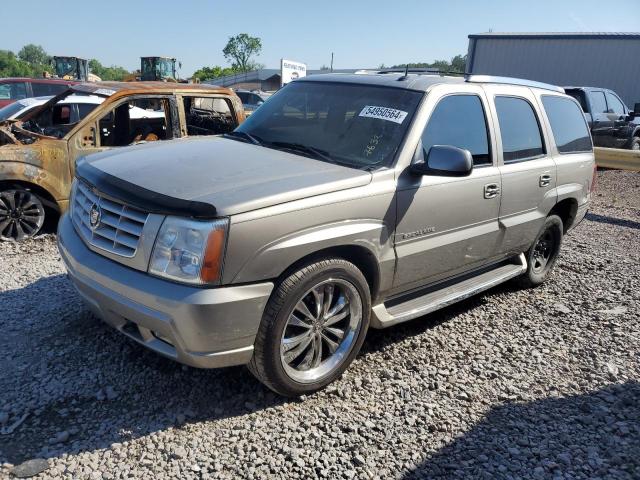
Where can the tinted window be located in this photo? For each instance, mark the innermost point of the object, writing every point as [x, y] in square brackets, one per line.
[519, 129]
[42, 89]
[598, 104]
[85, 109]
[580, 97]
[459, 120]
[5, 91]
[615, 105]
[13, 91]
[568, 124]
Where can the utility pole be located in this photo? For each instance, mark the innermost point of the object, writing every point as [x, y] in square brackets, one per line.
[332, 61]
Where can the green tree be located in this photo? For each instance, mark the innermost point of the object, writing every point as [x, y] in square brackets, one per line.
[459, 63]
[113, 73]
[12, 66]
[240, 50]
[207, 73]
[34, 55]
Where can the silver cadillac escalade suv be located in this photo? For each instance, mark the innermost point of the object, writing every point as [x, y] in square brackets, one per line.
[345, 202]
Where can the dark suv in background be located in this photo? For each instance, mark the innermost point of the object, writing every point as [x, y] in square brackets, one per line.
[612, 123]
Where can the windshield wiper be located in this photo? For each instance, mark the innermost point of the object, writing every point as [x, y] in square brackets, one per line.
[299, 147]
[244, 136]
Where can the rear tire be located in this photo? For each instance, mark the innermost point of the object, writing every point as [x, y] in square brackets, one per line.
[542, 255]
[312, 328]
[635, 143]
[22, 214]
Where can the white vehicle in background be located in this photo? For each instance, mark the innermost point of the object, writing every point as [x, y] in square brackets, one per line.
[17, 109]
[74, 108]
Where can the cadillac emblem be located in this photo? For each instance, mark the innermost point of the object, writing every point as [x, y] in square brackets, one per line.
[94, 216]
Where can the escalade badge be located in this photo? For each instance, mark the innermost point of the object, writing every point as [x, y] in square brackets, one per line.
[94, 216]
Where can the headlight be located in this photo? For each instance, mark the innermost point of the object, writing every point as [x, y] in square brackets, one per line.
[190, 251]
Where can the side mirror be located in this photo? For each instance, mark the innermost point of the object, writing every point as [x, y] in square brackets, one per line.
[444, 160]
[636, 110]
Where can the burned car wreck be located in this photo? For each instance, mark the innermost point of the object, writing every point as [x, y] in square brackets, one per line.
[38, 153]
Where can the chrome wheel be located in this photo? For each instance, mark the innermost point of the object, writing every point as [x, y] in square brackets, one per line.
[21, 215]
[321, 330]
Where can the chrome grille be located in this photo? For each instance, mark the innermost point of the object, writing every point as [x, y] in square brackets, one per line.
[119, 228]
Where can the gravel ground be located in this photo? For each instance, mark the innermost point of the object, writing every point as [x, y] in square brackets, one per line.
[542, 383]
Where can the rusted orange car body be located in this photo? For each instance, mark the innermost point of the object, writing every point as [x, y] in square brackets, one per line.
[42, 159]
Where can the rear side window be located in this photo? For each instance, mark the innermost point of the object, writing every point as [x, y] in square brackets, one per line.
[45, 89]
[598, 104]
[519, 129]
[567, 124]
[580, 97]
[615, 105]
[208, 116]
[459, 120]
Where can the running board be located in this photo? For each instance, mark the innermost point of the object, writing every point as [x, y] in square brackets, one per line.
[384, 317]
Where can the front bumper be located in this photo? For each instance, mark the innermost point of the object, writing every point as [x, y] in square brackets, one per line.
[201, 327]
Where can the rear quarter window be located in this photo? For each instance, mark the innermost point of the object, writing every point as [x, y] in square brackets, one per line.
[568, 124]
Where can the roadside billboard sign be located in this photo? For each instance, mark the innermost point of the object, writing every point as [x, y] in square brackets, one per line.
[290, 70]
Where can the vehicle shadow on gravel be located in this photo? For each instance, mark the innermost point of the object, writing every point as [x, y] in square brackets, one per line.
[83, 386]
[618, 222]
[596, 435]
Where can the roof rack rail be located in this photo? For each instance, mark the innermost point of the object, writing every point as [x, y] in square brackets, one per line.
[512, 81]
[382, 71]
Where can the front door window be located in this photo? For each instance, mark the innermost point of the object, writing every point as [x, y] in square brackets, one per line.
[135, 121]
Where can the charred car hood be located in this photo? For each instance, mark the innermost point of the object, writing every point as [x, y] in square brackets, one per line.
[204, 177]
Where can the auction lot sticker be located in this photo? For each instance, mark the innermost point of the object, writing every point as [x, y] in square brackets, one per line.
[383, 113]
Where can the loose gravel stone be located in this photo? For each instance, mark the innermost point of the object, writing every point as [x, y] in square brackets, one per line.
[541, 383]
[30, 468]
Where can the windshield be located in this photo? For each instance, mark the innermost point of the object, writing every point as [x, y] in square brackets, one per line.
[356, 125]
[157, 68]
[10, 110]
[59, 117]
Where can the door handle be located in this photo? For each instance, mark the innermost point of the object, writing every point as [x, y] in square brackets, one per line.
[491, 190]
[545, 180]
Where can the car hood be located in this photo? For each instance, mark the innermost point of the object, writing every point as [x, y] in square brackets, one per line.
[229, 175]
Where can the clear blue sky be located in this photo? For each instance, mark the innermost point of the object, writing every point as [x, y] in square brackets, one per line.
[360, 33]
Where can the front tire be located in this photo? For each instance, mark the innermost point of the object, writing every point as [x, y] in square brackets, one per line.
[21, 214]
[635, 144]
[542, 255]
[312, 328]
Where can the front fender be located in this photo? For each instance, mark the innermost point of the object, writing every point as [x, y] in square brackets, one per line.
[43, 163]
[34, 175]
[273, 259]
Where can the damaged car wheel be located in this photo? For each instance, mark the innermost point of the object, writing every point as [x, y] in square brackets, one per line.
[21, 214]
